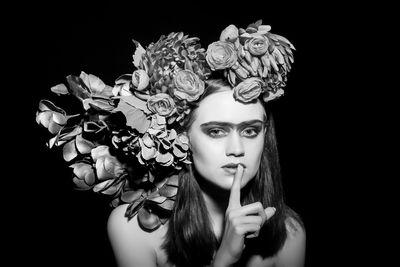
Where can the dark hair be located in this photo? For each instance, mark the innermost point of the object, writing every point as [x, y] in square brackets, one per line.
[190, 240]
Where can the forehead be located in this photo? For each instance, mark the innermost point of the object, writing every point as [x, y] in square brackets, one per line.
[222, 106]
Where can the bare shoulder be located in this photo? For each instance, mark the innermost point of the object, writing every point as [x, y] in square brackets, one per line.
[132, 245]
[294, 248]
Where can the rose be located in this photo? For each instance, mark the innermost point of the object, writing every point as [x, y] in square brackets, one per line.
[257, 46]
[248, 90]
[230, 34]
[221, 55]
[188, 86]
[161, 103]
[140, 79]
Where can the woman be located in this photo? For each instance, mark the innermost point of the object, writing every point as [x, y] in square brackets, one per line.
[234, 158]
[187, 141]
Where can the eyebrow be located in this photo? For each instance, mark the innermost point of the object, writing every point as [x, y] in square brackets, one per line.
[231, 125]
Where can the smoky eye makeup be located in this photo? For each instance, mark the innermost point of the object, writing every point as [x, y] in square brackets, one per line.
[215, 131]
[248, 129]
[251, 131]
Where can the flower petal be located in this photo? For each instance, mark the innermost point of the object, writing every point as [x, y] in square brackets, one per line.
[69, 151]
[148, 220]
[60, 89]
[130, 196]
[82, 145]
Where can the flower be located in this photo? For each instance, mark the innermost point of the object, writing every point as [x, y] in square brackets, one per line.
[107, 166]
[84, 175]
[257, 46]
[128, 138]
[51, 117]
[96, 85]
[188, 86]
[221, 55]
[181, 147]
[162, 104]
[230, 34]
[248, 90]
[140, 79]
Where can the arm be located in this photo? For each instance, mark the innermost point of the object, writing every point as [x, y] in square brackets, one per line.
[293, 252]
[131, 245]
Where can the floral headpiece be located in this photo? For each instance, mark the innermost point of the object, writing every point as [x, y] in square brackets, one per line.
[127, 141]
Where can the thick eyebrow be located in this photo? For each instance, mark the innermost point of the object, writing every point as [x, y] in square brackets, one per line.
[231, 125]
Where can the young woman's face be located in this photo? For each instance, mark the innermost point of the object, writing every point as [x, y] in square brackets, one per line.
[225, 133]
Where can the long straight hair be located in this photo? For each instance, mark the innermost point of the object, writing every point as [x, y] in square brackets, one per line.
[190, 240]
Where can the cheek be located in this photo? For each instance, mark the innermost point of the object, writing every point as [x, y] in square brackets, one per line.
[203, 151]
[254, 153]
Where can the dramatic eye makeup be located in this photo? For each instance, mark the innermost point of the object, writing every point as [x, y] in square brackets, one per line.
[218, 129]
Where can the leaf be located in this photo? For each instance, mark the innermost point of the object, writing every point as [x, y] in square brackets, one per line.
[67, 133]
[168, 191]
[283, 39]
[157, 199]
[46, 105]
[94, 127]
[139, 52]
[124, 78]
[103, 185]
[133, 208]
[264, 28]
[173, 180]
[136, 103]
[60, 89]
[113, 189]
[135, 118]
[77, 87]
[97, 104]
[167, 204]
[130, 196]
[96, 85]
[81, 184]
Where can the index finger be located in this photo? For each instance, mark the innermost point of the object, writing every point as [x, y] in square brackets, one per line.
[234, 197]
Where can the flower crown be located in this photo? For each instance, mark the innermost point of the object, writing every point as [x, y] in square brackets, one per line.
[127, 143]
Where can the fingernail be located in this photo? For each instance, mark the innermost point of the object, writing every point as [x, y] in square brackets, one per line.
[270, 212]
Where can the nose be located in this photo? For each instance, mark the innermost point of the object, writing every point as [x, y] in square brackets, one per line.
[234, 146]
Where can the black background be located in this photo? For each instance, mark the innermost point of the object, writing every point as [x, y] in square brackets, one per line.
[317, 121]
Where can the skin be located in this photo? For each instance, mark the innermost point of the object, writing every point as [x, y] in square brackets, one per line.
[224, 131]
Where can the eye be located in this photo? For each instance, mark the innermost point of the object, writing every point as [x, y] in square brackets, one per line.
[216, 132]
[250, 132]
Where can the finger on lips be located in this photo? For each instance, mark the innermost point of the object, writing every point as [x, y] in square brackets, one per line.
[234, 197]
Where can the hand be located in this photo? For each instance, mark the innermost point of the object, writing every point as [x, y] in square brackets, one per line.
[240, 223]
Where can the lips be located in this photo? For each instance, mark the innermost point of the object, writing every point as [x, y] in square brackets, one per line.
[231, 168]
[233, 165]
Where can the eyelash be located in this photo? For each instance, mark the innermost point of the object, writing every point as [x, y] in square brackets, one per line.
[219, 132]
